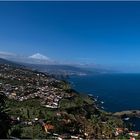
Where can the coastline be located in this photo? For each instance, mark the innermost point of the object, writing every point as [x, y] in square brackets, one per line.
[128, 113]
[110, 87]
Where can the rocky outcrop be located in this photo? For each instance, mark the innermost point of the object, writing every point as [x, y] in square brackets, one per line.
[128, 113]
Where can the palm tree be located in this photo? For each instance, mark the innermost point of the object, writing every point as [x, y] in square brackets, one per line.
[4, 118]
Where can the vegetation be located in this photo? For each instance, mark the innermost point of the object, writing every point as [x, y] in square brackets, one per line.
[36, 117]
[28, 109]
[4, 118]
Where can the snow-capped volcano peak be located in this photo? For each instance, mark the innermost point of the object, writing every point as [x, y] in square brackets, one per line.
[39, 56]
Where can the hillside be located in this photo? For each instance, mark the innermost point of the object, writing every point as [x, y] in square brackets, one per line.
[42, 107]
[57, 70]
[11, 63]
[4, 61]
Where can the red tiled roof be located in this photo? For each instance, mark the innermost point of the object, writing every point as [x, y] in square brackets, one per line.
[49, 126]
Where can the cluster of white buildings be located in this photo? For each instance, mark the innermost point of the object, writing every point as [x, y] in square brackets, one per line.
[20, 84]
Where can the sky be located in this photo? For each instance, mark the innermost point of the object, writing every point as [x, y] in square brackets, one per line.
[96, 33]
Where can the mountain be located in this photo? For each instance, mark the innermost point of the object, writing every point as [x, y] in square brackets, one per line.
[15, 64]
[60, 69]
[36, 58]
[43, 63]
[3, 61]
[51, 69]
[39, 57]
[54, 69]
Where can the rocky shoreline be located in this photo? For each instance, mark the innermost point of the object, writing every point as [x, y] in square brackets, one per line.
[128, 113]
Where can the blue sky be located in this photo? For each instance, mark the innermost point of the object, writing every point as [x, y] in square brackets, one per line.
[104, 33]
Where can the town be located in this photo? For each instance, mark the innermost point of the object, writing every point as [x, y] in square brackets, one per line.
[37, 101]
[31, 85]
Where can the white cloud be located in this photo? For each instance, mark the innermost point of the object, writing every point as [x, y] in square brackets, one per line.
[39, 56]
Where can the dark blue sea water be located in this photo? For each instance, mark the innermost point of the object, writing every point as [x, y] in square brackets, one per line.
[118, 91]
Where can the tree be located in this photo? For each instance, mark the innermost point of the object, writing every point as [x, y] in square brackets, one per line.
[16, 132]
[4, 118]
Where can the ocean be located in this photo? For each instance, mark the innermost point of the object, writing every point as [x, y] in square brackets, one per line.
[118, 91]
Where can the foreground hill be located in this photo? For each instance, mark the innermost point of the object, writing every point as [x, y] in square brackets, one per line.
[41, 106]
